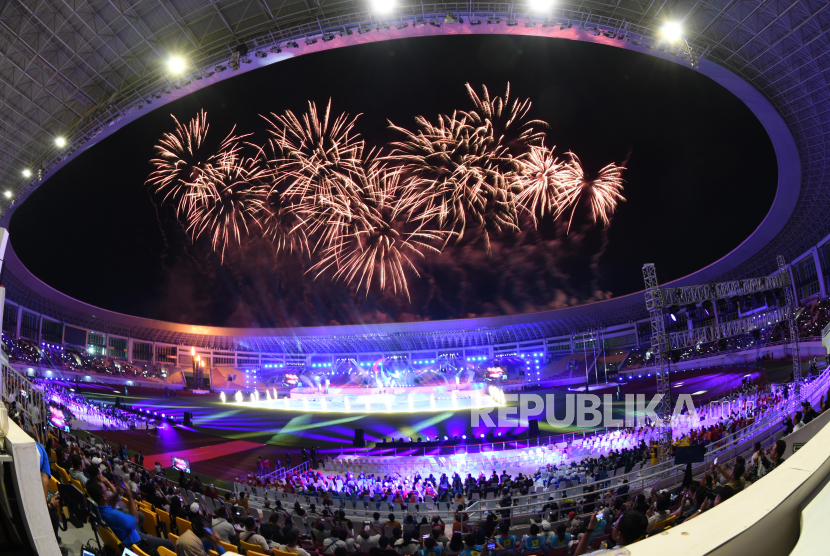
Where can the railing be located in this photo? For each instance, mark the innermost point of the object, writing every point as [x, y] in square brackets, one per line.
[279, 474]
[14, 387]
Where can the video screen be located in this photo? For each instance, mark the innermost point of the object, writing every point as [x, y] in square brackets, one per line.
[181, 464]
[58, 419]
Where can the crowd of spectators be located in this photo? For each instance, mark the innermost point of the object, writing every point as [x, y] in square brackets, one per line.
[811, 321]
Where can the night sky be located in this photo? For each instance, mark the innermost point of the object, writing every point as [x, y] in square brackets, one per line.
[701, 177]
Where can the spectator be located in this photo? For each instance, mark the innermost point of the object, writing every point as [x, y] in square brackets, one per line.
[431, 548]
[629, 528]
[473, 549]
[124, 525]
[77, 471]
[407, 546]
[505, 539]
[661, 513]
[250, 536]
[334, 541]
[391, 522]
[382, 549]
[222, 526]
[197, 541]
[291, 544]
[532, 541]
[561, 538]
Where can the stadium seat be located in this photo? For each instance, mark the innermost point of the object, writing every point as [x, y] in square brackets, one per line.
[65, 478]
[165, 551]
[138, 551]
[281, 553]
[173, 538]
[665, 523]
[248, 547]
[109, 539]
[164, 517]
[228, 546]
[599, 540]
[560, 551]
[182, 525]
[53, 484]
[151, 523]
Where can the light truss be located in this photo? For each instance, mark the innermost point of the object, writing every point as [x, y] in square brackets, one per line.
[660, 353]
[686, 295]
[792, 304]
[721, 331]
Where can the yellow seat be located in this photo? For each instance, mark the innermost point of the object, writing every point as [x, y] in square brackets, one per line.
[138, 551]
[53, 484]
[77, 484]
[182, 525]
[214, 553]
[109, 538]
[665, 523]
[165, 551]
[281, 553]
[250, 548]
[173, 538]
[53, 455]
[151, 522]
[64, 476]
[228, 546]
[164, 517]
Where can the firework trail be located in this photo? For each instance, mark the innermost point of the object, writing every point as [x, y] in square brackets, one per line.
[314, 188]
[604, 191]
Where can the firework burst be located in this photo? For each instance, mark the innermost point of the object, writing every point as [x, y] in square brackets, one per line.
[227, 201]
[183, 159]
[316, 190]
[541, 180]
[370, 241]
[604, 191]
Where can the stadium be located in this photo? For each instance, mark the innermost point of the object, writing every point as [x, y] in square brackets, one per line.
[271, 343]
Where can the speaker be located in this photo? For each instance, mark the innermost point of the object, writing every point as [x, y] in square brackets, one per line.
[533, 428]
[359, 441]
[188, 419]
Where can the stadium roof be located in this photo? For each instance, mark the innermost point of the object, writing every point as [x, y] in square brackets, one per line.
[80, 70]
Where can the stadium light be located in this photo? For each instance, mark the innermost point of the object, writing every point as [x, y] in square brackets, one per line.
[541, 5]
[383, 6]
[8, 194]
[60, 142]
[27, 173]
[175, 64]
[672, 31]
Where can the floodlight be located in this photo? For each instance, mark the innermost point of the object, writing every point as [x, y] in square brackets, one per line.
[8, 194]
[672, 31]
[60, 142]
[383, 6]
[27, 173]
[541, 5]
[175, 64]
